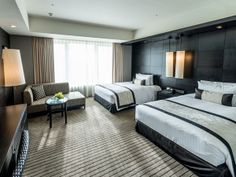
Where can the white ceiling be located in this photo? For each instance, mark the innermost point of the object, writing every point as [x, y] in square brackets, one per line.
[121, 17]
[10, 14]
[132, 14]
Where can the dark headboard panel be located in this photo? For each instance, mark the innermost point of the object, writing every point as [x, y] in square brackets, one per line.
[214, 57]
[156, 79]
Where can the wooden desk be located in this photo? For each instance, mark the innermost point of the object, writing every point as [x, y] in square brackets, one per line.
[13, 123]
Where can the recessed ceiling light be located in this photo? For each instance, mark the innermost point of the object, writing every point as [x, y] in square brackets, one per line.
[219, 27]
[50, 14]
[13, 26]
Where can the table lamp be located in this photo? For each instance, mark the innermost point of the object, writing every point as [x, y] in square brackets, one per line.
[13, 69]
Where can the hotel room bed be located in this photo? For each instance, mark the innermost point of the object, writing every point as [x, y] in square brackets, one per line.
[207, 147]
[119, 96]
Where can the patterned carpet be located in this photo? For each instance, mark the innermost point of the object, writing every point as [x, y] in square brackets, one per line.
[95, 143]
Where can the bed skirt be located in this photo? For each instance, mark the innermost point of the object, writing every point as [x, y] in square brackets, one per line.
[199, 166]
[110, 107]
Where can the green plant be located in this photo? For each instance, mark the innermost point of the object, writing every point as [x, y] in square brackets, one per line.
[59, 95]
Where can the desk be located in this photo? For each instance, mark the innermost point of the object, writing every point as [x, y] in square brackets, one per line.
[13, 123]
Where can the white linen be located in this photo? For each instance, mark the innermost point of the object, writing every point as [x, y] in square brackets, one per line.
[139, 82]
[234, 101]
[192, 138]
[147, 77]
[124, 95]
[142, 93]
[221, 87]
[214, 97]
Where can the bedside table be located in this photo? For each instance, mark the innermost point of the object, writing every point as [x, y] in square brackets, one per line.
[164, 94]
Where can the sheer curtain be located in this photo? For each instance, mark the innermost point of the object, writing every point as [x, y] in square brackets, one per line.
[83, 64]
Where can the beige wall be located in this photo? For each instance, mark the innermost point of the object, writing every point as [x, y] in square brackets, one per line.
[127, 64]
[62, 27]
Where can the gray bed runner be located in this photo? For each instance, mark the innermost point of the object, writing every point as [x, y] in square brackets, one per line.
[124, 98]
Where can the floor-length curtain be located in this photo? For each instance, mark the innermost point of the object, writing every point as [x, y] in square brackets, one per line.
[43, 59]
[117, 63]
[83, 64]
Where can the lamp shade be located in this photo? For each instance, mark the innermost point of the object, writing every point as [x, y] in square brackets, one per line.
[170, 64]
[183, 68]
[13, 70]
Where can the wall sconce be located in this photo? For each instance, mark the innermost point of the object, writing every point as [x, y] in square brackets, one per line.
[183, 68]
[170, 64]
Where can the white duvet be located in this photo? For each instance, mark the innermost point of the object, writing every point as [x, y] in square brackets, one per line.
[192, 138]
[142, 94]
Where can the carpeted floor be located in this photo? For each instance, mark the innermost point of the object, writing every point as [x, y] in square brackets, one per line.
[95, 143]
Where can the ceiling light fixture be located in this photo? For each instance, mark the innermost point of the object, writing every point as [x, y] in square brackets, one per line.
[13, 26]
[219, 27]
[50, 14]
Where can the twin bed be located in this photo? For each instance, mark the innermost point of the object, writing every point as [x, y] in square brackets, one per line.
[123, 95]
[119, 96]
[200, 133]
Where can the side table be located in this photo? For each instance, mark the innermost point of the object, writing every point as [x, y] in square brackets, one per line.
[55, 105]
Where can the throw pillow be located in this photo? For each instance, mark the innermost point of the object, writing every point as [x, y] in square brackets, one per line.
[38, 92]
[139, 82]
[148, 78]
[216, 97]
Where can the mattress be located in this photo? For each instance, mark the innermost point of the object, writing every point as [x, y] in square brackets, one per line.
[193, 139]
[142, 93]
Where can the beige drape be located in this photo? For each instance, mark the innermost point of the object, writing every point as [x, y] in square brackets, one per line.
[43, 59]
[117, 63]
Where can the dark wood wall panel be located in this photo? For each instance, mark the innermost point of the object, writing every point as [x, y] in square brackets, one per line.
[214, 57]
[230, 41]
[24, 44]
[5, 93]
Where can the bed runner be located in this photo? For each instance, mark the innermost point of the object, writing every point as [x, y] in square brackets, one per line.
[124, 95]
[220, 127]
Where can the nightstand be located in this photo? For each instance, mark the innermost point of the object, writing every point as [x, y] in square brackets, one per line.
[164, 94]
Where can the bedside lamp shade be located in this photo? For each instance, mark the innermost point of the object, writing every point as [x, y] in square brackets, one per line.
[183, 67]
[170, 64]
[13, 70]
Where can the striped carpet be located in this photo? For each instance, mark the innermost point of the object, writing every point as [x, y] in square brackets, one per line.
[95, 143]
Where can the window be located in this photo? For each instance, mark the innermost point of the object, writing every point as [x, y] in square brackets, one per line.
[83, 64]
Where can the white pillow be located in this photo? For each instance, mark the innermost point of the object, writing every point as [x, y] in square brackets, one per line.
[139, 82]
[209, 86]
[221, 87]
[214, 97]
[147, 77]
[234, 101]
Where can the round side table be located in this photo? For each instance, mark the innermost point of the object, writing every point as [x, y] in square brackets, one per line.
[55, 105]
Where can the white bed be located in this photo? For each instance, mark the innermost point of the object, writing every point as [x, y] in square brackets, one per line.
[192, 138]
[141, 93]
